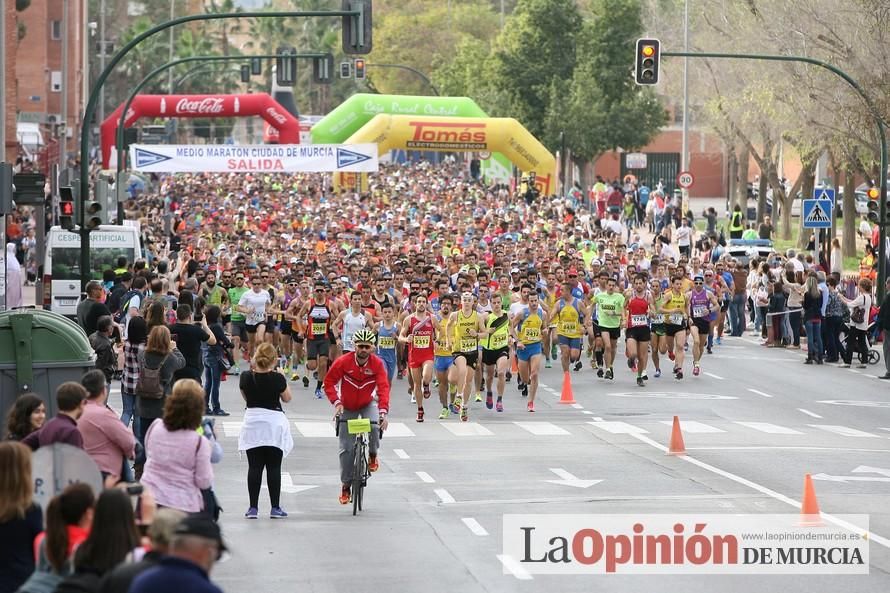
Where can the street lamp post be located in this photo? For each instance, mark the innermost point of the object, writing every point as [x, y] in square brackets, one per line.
[90, 110]
[119, 142]
[876, 116]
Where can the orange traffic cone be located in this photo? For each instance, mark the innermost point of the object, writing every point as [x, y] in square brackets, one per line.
[809, 506]
[514, 366]
[677, 447]
[567, 397]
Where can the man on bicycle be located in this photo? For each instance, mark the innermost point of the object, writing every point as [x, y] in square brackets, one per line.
[350, 384]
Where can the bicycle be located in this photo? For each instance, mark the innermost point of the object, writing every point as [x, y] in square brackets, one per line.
[360, 427]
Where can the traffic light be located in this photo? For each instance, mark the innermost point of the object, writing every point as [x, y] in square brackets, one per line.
[323, 69]
[95, 210]
[647, 62]
[357, 29]
[256, 66]
[345, 70]
[359, 64]
[245, 73]
[874, 206]
[66, 208]
[286, 66]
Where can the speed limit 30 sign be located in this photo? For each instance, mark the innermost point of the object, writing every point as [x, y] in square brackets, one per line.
[685, 179]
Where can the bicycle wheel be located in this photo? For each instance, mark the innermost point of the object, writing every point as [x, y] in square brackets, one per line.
[357, 474]
[874, 357]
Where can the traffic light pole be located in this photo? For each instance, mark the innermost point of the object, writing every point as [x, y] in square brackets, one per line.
[93, 99]
[876, 115]
[409, 69]
[119, 143]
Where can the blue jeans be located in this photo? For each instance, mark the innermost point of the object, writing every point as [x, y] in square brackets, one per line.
[129, 411]
[737, 314]
[814, 340]
[212, 377]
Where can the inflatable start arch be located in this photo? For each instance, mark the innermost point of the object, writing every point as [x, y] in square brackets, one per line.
[460, 134]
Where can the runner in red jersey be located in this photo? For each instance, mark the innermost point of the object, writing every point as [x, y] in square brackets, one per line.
[419, 332]
[638, 334]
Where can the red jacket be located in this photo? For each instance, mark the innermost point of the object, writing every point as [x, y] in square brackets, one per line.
[357, 383]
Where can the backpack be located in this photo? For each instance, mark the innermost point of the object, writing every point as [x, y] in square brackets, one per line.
[149, 384]
[124, 305]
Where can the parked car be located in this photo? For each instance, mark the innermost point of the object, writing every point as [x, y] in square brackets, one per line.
[744, 250]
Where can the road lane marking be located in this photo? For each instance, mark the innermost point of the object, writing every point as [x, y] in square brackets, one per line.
[425, 477]
[713, 376]
[567, 479]
[578, 406]
[512, 566]
[845, 431]
[542, 428]
[759, 392]
[763, 490]
[316, 429]
[232, 428]
[398, 429]
[769, 428]
[444, 496]
[474, 526]
[692, 426]
[887, 429]
[587, 412]
[467, 429]
[597, 419]
[808, 413]
[400, 453]
[619, 427]
[785, 448]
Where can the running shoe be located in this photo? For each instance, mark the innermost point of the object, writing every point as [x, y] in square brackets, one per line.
[465, 414]
[444, 414]
[435, 382]
[413, 398]
[458, 404]
[578, 366]
[645, 376]
[479, 397]
[508, 376]
[220, 412]
[419, 415]
[710, 351]
[234, 370]
[294, 376]
[499, 405]
[548, 364]
[696, 370]
[530, 407]
[657, 373]
[305, 381]
[808, 361]
[426, 391]
[277, 513]
[319, 393]
[610, 375]
[599, 373]
[345, 496]
[488, 402]
[640, 382]
[525, 391]
[631, 363]
[401, 375]
[373, 463]
[678, 374]
[719, 340]
[252, 513]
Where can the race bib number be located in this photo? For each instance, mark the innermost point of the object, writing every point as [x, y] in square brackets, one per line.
[675, 319]
[570, 327]
[498, 341]
[531, 334]
[639, 320]
[256, 318]
[468, 344]
[700, 310]
[421, 341]
[319, 329]
[386, 342]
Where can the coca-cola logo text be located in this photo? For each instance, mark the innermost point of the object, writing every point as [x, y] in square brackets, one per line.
[206, 105]
[273, 113]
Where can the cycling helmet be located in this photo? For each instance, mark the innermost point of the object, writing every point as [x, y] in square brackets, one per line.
[364, 336]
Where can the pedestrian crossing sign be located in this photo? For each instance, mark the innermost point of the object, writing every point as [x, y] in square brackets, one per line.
[823, 193]
[817, 214]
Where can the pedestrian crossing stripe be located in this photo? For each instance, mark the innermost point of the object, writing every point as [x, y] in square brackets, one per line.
[817, 214]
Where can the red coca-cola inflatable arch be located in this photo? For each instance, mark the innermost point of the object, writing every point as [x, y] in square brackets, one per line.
[260, 104]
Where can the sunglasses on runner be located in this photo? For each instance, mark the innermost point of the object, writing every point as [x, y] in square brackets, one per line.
[363, 347]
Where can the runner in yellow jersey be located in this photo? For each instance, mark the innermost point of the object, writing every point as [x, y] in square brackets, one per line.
[526, 329]
[674, 306]
[568, 313]
[466, 326]
[443, 360]
[496, 352]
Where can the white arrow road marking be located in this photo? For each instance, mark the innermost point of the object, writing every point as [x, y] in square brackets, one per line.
[570, 480]
[513, 566]
[808, 413]
[866, 469]
[830, 478]
[288, 486]
[444, 495]
[400, 453]
[425, 477]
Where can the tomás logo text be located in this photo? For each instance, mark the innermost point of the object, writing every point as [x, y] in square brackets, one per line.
[685, 544]
[448, 136]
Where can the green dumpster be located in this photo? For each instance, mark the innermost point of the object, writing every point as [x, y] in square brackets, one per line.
[40, 350]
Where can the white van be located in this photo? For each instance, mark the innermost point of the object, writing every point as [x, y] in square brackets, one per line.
[61, 269]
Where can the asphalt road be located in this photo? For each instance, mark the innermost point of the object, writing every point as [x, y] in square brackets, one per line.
[754, 423]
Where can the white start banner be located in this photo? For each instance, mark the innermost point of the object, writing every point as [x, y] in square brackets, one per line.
[272, 158]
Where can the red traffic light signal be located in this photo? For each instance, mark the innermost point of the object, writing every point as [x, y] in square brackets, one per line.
[359, 65]
[66, 208]
[648, 61]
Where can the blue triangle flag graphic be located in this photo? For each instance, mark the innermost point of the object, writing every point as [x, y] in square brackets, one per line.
[145, 158]
[346, 158]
